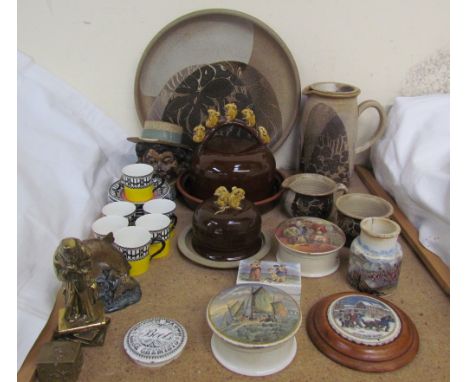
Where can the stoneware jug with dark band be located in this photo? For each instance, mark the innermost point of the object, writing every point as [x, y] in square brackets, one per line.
[329, 124]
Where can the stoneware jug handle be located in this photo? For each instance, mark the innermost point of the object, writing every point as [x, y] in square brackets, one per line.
[341, 189]
[382, 123]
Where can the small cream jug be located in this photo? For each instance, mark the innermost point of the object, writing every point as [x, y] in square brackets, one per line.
[329, 123]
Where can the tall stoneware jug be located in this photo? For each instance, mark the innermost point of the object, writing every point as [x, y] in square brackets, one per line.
[329, 123]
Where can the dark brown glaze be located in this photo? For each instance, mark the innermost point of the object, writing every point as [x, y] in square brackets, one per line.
[230, 235]
[231, 156]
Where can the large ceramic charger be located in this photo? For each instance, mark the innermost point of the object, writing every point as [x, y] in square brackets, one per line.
[208, 58]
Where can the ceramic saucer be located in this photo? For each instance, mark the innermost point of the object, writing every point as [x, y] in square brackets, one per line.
[185, 246]
[164, 191]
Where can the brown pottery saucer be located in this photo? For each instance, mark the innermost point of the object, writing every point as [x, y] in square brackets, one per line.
[362, 332]
[265, 205]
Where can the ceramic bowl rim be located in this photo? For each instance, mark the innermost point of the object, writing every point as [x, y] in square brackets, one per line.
[158, 201]
[116, 221]
[319, 88]
[309, 254]
[350, 195]
[128, 205]
[193, 199]
[153, 222]
[253, 346]
[324, 178]
[394, 233]
[137, 170]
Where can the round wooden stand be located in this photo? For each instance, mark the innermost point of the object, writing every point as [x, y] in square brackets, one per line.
[380, 358]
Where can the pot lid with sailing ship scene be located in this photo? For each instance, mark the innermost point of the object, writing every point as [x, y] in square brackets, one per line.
[254, 316]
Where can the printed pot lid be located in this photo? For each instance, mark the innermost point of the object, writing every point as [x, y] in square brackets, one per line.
[362, 332]
[254, 316]
[213, 57]
[364, 320]
[310, 235]
[155, 342]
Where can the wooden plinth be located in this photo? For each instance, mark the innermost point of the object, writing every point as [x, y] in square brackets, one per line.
[381, 358]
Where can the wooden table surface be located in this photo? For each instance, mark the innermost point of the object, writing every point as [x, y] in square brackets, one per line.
[177, 288]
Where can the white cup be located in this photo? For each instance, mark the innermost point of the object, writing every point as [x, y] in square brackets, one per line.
[107, 224]
[159, 226]
[133, 243]
[125, 209]
[162, 206]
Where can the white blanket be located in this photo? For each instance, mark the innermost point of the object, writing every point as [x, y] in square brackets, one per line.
[68, 154]
[412, 162]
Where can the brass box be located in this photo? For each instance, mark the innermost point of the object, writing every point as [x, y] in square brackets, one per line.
[59, 361]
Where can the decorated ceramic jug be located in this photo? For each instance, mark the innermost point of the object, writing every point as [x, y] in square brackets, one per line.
[330, 123]
[375, 259]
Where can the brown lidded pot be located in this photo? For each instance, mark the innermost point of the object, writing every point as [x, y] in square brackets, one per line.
[232, 154]
[229, 235]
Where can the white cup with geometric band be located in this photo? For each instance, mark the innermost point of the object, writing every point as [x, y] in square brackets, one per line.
[107, 224]
[121, 208]
[159, 226]
[138, 183]
[134, 242]
[162, 206]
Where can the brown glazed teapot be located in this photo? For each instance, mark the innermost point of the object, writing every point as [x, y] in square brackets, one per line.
[233, 154]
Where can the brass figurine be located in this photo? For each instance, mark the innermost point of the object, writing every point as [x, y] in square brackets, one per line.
[198, 133]
[228, 199]
[249, 117]
[230, 111]
[72, 262]
[213, 118]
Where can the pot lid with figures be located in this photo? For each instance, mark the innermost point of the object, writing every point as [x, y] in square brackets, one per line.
[362, 332]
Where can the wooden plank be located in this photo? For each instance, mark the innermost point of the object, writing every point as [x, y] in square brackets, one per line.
[27, 372]
[438, 269]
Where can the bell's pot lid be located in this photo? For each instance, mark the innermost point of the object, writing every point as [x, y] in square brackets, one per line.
[155, 342]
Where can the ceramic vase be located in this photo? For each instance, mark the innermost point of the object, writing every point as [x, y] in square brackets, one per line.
[375, 258]
[329, 124]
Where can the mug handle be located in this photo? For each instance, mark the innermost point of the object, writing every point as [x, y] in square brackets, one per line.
[157, 182]
[163, 242]
[173, 221]
[341, 188]
[382, 123]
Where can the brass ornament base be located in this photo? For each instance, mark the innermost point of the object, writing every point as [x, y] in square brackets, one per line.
[87, 336]
[66, 327]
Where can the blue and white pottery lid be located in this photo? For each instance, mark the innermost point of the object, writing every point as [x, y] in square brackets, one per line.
[155, 342]
[364, 320]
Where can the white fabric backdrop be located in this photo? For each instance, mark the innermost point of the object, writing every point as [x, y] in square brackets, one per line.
[68, 154]
[412, 162]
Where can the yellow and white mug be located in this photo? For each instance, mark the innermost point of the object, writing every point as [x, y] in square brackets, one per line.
[162, 206]
[159, 226]
[107, 224]
[138, 182]
[134, 243]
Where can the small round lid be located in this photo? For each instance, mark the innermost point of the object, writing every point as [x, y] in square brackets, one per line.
[155, 342]
[310, 235]
[364, 320]
[254, 316]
